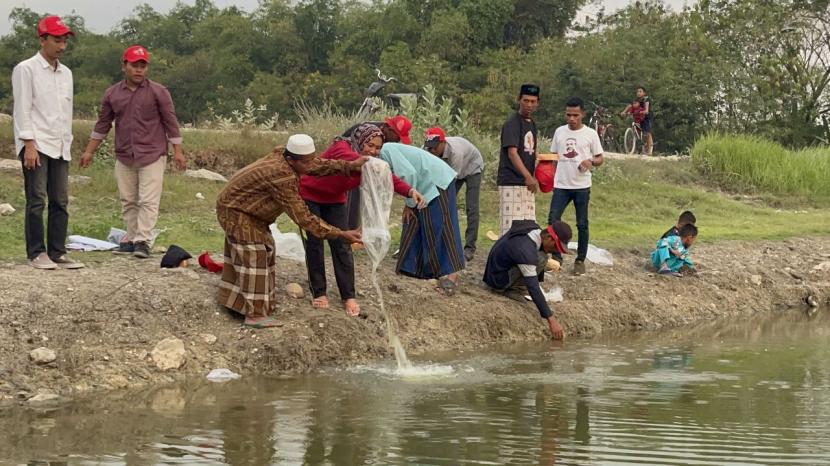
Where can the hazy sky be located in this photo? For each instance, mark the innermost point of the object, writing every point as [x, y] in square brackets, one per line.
[102, 15]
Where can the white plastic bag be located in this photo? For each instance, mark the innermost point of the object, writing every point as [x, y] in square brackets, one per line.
[375, 205]
[596, 255]
[288, 245]
[554, 295]
[222, 375]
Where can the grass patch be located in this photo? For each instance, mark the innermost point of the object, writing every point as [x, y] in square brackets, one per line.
[752, 164]
[632, 204]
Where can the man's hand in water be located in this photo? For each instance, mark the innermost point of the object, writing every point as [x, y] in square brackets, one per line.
[555, 329]
[352, 236]
[357, 165]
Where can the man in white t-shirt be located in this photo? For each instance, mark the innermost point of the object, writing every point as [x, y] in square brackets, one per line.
[579, 152]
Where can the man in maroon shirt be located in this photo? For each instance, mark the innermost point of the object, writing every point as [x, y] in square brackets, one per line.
[145, 121]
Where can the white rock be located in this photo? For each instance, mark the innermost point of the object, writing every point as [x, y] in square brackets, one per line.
[824, 266]
[294, 290]
[169, 354]
[208, 338]
[755, 280]
[10, 164]
[42, 355]
[200, 173]
[200, 196]
[80, 179]
[43, 397]
[6, 209]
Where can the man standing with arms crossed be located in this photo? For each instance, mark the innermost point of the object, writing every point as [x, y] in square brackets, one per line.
[42, 89]
[517, 162]
[579, 152]
[145, 122]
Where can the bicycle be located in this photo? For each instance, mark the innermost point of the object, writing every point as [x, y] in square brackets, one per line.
[370, 105]
[632, 135]
[607, 132]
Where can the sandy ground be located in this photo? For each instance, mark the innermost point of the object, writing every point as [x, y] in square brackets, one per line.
[103, 322]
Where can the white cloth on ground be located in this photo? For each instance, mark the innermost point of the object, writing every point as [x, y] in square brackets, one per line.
[85, 243]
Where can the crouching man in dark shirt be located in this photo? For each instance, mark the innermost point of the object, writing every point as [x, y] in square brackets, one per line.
[522, 253]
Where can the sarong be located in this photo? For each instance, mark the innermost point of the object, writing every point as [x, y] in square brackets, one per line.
[248, 283]
[515, 203]
[431, 242]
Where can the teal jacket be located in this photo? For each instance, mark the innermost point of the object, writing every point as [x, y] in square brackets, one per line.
[422, 170]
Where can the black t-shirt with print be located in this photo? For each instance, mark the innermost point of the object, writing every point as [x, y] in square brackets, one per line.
[643, 101]
[521, 134]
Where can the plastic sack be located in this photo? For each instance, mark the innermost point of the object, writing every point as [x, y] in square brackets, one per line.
[288, 245]
[596, 255]
[376, 193]
[554, 295]
[222, 375]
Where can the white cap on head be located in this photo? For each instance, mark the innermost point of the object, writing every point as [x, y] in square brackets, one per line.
[300, 144]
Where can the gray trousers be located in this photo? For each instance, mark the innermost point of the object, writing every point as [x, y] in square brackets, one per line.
[48, 182]
[471, 206]
[515, 277]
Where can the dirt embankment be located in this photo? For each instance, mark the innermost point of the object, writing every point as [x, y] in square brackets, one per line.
[103, 322]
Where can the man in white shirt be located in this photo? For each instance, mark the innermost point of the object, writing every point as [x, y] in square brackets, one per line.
[468, 163]
[579, 152]
[42, 89]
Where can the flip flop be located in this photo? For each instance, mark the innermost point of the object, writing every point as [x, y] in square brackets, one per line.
[318, 304]
[268, 322]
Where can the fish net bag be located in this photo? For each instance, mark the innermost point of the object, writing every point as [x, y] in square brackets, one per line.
[375, 204]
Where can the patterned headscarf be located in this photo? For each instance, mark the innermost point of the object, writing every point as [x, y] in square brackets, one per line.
[363, 134]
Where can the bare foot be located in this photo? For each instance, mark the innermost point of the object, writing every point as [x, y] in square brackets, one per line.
[320, 302]
[352, 308]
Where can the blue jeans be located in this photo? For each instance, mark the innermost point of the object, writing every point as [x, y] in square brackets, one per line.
[580, 197]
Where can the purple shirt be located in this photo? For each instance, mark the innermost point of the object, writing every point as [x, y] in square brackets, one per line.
[145, 120]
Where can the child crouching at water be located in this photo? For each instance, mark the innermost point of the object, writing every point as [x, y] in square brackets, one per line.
[672, 252]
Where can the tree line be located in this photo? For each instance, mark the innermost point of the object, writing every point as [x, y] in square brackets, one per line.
[749, 66]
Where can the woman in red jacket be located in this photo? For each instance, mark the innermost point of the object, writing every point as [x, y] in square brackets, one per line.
[326, 198]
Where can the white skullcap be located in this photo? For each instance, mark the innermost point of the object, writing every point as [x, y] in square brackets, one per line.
[300, 144]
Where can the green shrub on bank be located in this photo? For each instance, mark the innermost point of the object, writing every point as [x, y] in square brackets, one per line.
[749, 163]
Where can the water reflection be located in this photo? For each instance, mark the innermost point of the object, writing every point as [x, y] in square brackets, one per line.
[751, 392]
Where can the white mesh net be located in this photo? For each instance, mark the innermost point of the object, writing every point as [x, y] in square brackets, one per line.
[375, 204]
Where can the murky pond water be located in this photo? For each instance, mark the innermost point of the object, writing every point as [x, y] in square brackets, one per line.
[742, 393]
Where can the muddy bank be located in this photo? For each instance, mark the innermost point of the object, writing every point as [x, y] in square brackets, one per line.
[103, 322]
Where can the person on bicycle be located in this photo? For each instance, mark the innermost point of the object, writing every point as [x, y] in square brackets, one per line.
[645, 104]
[636, 111]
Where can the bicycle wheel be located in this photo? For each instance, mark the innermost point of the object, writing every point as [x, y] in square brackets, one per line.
[630, 141]
[609, 139]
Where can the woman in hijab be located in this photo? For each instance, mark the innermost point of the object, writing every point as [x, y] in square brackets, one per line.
[326, 198]
[430, 239]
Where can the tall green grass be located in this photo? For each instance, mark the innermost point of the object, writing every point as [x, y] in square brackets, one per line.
[750, 163]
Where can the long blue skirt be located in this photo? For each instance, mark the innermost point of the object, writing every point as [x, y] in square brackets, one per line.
[431, 243]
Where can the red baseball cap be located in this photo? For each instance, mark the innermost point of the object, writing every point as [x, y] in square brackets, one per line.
[136, 53]
[53, 26]
[434, 136]
[401, 126]
[561, 233]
